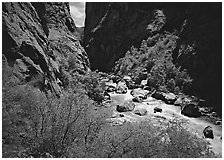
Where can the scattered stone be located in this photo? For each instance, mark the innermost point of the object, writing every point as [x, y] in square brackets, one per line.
[170, 98]
[116, 115]
[208, 132]
[161, 117]
[121, 88]
[144, 82]
[127, 78]
[218, 122]
[118, 121]
[178, 102]
[141, 76]
[106, 95]
[158, 95]
[139, 93]
[214, 114]
[115, 78]
[205, 110]
[127, 106]
[157, 109]
[191, 110]
[146, 88]
[187, 100]
[137, 99]
[202, 102]
[140, 112]
[110, 86]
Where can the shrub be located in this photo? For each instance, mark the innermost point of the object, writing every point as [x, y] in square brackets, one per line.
[95, 89]
[155, 56]
[46, 126]
[144, 140]
[40, 126]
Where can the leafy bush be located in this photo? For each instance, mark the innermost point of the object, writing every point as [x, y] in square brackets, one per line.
[145, 140]
[90, 82]
[43, 126]
[34, 125]
[155, 56]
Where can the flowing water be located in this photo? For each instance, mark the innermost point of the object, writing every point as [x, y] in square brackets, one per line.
[195, 125]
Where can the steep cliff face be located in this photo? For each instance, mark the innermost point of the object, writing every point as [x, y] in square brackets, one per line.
[112, 28]
[200, 50]
[38, 40]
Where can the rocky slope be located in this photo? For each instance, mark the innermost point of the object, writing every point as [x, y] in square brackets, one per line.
[112, 28]
[38, 41]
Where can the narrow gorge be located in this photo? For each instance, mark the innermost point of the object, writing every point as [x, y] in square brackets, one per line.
[138, 80]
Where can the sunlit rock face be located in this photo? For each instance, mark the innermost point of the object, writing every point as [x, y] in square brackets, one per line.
[112, 28]
[38, 39]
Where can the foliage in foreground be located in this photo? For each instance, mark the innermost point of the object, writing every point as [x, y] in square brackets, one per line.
[35, 125]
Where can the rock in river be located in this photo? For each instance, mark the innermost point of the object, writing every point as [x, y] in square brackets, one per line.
[140, 112]
[208, 132]
[125, 107]
[191, 110]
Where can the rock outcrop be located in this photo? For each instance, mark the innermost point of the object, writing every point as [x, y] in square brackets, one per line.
[38, 40]
[111, 28]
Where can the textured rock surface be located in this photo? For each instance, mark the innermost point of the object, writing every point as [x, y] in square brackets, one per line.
[38, 38]
[140, 112]
[125, 107]
[191, 110]
[112, 28]
[208, 132]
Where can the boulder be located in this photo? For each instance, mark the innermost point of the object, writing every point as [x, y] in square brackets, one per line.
[170, 98]
[110, 86]
[157, 109]
[106, 96]
[142, 75]
[214, 114]
[158, 95]
[139, 93]
[205, 110]
[115, 78]
[137, 99]
[118, 121]
[218, 122]
[191, 110]
[121, 88]
[208, 132]
[187, 100]
[140, 112]
[144, 82]
[116, 115]
[178, 102]
[127, 78]
[125, 107]
[147, 88]
[130, 84]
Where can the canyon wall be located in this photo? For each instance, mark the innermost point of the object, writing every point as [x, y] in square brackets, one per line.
[112, 28]
[38, 41]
